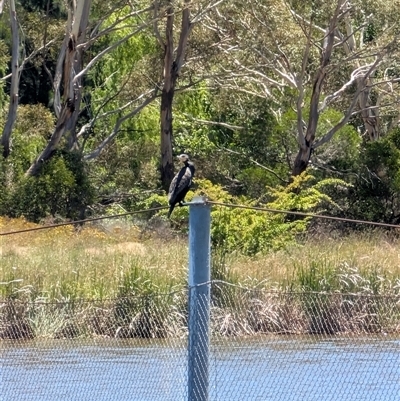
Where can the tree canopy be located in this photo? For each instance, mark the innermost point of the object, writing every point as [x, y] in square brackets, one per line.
[97, 99]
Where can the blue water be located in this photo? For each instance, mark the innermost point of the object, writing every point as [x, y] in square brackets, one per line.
[264, 368]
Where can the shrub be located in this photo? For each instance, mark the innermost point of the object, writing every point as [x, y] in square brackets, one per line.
[62, 188]
[375, 195]
[249, 231]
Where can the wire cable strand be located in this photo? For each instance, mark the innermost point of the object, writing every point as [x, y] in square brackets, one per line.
[71, 223]
[304, 214]
[228, 205]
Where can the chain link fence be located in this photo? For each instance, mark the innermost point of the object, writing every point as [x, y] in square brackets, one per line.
[263, 345]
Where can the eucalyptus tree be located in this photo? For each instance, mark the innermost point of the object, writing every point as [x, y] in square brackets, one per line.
[13, 102]
[30, 37]
[95, 31]
[359, 75]
[177, 54]
[318, 53]
[72, 67]
[85, 27]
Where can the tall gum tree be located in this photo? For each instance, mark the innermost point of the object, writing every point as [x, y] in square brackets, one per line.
[173, 63]
[174, 45]
[69, 65]
[19, 59]
[15, 71]
[72, 67]
[364, 66]
[304, 48]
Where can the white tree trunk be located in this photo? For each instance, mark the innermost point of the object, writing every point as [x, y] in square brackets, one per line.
[12, 110]
[69, 64]
[306, 140]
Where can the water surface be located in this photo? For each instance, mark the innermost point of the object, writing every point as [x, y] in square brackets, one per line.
[263, 368]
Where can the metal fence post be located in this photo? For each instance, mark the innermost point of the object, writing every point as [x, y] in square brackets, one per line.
[199, 299]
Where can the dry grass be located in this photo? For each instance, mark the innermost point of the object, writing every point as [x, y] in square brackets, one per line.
[97, 261]
[372, 255]
[145, 280]
[94, 262]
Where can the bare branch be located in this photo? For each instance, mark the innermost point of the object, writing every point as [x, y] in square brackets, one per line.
[256, 163]
[99, 116]
[328, 136]
[115, 26]
[380, 106]
[200, 15]
[355, 75]
[155, 25]
[300, 87]
[288, 77]
[320, 78]
[298, 17]
[26, 59]
[98, 56]
[95, 153]
[289, 80]
[186, 28]
[59, 67]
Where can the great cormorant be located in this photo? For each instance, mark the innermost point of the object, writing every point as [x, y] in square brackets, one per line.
[181, 183]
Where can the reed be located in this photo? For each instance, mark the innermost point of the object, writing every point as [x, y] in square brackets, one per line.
[109, 280]
[368, 263]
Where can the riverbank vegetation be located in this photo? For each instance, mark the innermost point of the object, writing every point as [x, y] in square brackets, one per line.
[96, 101]
[116, 258]
[114, 279]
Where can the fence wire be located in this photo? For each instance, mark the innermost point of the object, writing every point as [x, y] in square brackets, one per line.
[263, 345]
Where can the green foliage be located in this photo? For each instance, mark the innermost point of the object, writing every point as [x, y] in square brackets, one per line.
[28, 139]
[255, 180]
[342, 150]
[4, 59]
[126, 172]
[251, 232]
[375, 195]
[4, 194]
[62, 189]
[302, 194]
[248, 231]
[36, 26]
[116, 75]
[224, 131]
[191, 136]
[29, 136]
[130, 164]
[262, 134]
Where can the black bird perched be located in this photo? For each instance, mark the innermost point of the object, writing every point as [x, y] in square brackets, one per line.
[181, 183]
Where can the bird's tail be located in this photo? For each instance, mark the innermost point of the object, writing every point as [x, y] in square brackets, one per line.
[171, 208]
